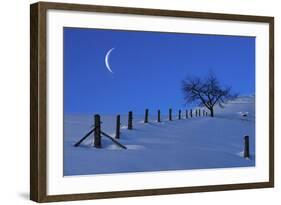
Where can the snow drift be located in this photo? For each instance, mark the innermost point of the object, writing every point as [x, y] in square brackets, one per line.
[194, 143]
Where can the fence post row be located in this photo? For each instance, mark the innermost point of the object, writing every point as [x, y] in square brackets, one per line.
[158, 116]
[146, 116]
[97, 133]
[130, 120]
[117, 136]
[170, 114]
[246, 147]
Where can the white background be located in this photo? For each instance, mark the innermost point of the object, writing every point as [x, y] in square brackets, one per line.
[14, 103]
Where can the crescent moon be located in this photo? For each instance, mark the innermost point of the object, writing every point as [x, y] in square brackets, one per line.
[107, 60]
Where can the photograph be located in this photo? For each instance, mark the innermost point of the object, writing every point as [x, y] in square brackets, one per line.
[146, 101]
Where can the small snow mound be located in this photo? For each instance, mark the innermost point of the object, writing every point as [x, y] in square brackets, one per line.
[135, 147]
[240, 154]
[113, 147]
[129, 147]
[242, 100]
[156, 121]
[124, 127]
[243, 114]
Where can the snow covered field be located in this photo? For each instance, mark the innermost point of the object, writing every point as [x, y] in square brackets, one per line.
[194, 143]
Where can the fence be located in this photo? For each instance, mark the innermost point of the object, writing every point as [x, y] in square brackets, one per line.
[98, 133]
[246, 147]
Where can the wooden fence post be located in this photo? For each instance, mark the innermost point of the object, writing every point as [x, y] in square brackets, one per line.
[130, 120]
[199, 112]
[246, 147]
[117, 136]
[97, 133]
[191, 113]
[196, 113]
[179, 114]
[186, 114]
[170, 114]
[158, 116]
[146, 116]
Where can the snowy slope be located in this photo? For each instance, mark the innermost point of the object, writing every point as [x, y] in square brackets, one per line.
[196, 143]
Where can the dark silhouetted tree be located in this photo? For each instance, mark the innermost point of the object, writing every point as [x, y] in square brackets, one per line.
[206, 92]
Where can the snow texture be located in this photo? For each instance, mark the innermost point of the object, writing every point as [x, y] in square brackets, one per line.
[194, 143]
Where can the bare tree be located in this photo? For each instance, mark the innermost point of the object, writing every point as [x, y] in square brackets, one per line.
[206, 92]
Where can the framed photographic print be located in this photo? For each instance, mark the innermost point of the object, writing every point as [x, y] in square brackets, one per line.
[135, 102]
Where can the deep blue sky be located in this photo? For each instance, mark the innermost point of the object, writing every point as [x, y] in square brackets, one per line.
[148, 68]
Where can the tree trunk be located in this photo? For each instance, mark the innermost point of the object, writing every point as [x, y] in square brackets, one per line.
[212, 112]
